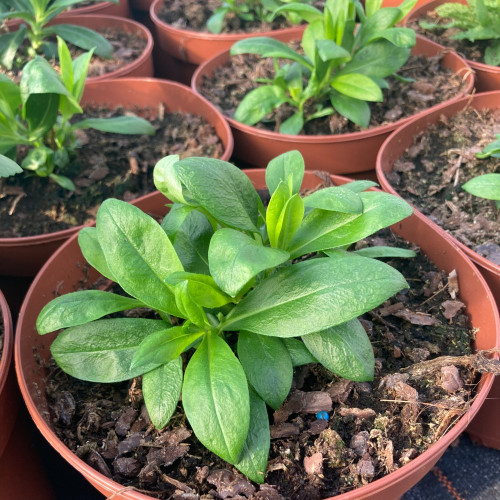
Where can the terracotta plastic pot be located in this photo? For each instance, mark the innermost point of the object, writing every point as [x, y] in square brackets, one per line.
[121, 9]
[181, 50]
[484, 428]
[487, 77]
[337, 154]
[142, 5]
[25, 256]
[64, 271]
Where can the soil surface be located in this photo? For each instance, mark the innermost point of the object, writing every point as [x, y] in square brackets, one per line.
[441, 160]
[432, 85]
[108, 165]
[373, 428]
[473, 51]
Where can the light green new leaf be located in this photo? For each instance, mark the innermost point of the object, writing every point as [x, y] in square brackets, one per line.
[258, 103]
[379, 252]
[298, 352]
[357, 86]
[166, 180]
[8, 167]
[161, 389]
[275, 210]
[9, 44]
[267, 365]
[174, 219]
[344, 349]
[92, 251]
[314, 295]
[289, 165]
[102, 351]
[127, 125]
[359, 186]
[375, 24]
[289, 221]
[78, 308]
[216, 400]
[139, 253]
[335, 199]
[485, 186]
[235, 259]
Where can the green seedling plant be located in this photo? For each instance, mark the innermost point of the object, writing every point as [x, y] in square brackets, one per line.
[250, 10]
[477, 20]
[35, 16]
[343, 66]
[235, 301]
[37, 114]
[487, 185]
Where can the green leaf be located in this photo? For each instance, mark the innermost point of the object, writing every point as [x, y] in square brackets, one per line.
[139, 253]
[344, 350]
[289, 165]
[127, 125]
[80, 70]
[375, 24]
[400, 37]
[258, 103]
[82, 37]
[216, 20]
[9, 94]
[335, 199]
[174, 219]
[267, 365]
[163, 346]
[359, 186]
[63, 181]
[379, 252]
[485, 186]
[298, 352]
[188, 307]
[289, 221]
[253, 459]
[275, 210]
[322, 230]
[9, 45]
[65, 63]
[40, 112]
[357, 86]
[166, 179]
[78, 308]
[216, 400]
[92, 251]
[355, 110]
[8, 167]
[222, 189]
[102, 351]
[293, 124]
[161, 389]
[329, 50]
[313, 295]
[306, 12]
[235, 259]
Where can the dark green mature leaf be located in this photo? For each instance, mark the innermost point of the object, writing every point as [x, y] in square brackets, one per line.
[161, 389]
[306, 12]
[8, 167]
[400, 37]
[102, 351]
[139, 253]
[253, 460]
[63, 181]
[359, 186]
[78, 308]
[384, 252]
[357, 86]
[215, 21]
[235, 259]
[313, 295]
[328, 50]
[335, 199]
[322, 230]
[486, 186]
[355, 110]
[298, 352]
[9, 44]
[344, 349]
[267, 365]
[374, 25]
[82, 37]
[10, 97]
[222, 189]
[258, 103]
[216, 400]
[40, 112]
[92, 251]
[282, 168]
[163, 346]
[131, 125]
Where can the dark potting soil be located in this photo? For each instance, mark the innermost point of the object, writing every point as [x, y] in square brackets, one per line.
[432, 85]
[441, 160]
[374, 428]
[108, 165]
[193, 15]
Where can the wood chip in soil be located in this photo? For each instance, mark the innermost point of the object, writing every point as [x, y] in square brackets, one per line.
[374, 427]
[108, 166]
[442, 158]
[432, 85]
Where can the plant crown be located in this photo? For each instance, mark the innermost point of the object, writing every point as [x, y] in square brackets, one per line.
[244, 304]
[37, 113]
[479, 20]
[344, 65]
[35, 14]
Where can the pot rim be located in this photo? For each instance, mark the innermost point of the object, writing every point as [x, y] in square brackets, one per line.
[8, 343]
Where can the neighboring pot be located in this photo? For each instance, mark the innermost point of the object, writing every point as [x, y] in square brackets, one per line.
[65, 269]
[25, 256]
[484, 428]
[181, 50]
[348, 153]
[121, 9]
[487, 77]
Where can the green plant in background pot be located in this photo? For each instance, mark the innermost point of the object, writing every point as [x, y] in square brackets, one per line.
[343, 66]
[231, 297]
[37, 114]
[35, 15]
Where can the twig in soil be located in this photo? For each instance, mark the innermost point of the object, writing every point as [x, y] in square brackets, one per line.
[434, 294]
[17, 199]
[433, 405]
[177, 484]
[386, 323]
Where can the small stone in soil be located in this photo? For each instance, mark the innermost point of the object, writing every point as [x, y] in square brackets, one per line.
[450, 378]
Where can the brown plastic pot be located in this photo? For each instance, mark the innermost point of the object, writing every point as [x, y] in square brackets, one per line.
[484, 428]
[487, 77]
[181, 50]
[347, 154]
[64, 270]
[121, 9]
[24, 256]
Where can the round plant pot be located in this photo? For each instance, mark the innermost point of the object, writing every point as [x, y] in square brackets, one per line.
[487, 76]
[484, 428]
[142, 5]
[24, 256]
[181, 50]
[121, 9]
[64, 271]
[348, 153]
